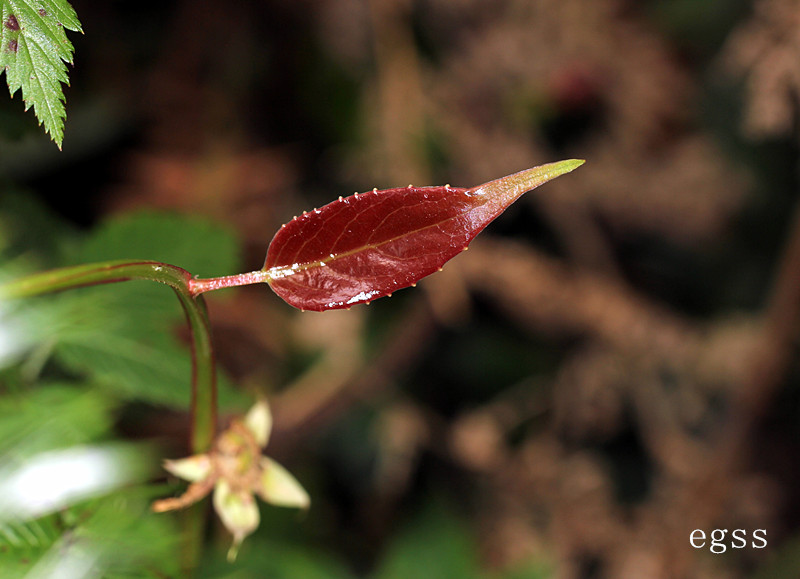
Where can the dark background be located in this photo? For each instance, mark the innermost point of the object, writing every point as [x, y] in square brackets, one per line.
[610, 366]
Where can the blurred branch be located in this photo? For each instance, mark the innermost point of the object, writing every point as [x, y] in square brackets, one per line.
[539, 292]
[769, 363]
[321, 406]
[781, 320]
[584, 240]
[400, 114]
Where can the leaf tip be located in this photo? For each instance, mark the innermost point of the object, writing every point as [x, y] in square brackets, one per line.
[571, 164]
[506, 190]
[559, 168]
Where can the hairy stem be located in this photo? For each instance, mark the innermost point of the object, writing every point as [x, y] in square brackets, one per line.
[198, 286]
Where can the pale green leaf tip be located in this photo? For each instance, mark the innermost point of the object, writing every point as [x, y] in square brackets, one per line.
[566, 166]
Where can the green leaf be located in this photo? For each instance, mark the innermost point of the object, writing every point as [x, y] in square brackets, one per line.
[22, 544]
[198, 245]
[276, 560]
[124, 336]
[134, 359]
[437, 545]
[50, 417]
[115, 536]
[34, 52]
[48, 523]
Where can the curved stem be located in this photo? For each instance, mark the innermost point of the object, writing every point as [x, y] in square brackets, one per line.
[93, 274]
[204, 383]
[204, 376]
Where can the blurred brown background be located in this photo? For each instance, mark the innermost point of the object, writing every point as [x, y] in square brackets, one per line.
[612, 364]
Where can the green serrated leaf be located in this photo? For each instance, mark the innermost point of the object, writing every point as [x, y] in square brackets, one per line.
[34, 52]
[22, 544]
[154, 370]
[51, 417]
[198, 245]
[114, 536]
[122, 338]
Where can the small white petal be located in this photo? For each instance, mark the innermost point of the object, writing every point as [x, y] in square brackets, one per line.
[259, 422]
[280, 488]
[238, 512]
[194, 469]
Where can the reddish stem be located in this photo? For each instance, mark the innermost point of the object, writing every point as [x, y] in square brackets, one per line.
[198, 286]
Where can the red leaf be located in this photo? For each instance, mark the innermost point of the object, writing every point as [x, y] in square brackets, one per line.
[368, 245]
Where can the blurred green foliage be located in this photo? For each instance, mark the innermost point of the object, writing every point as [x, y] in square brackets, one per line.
[51, 523]
[86, 353]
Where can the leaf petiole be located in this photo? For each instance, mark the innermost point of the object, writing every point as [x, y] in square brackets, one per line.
[198, 286]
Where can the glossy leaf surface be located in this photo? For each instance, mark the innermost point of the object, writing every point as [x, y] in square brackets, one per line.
[368, 245]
